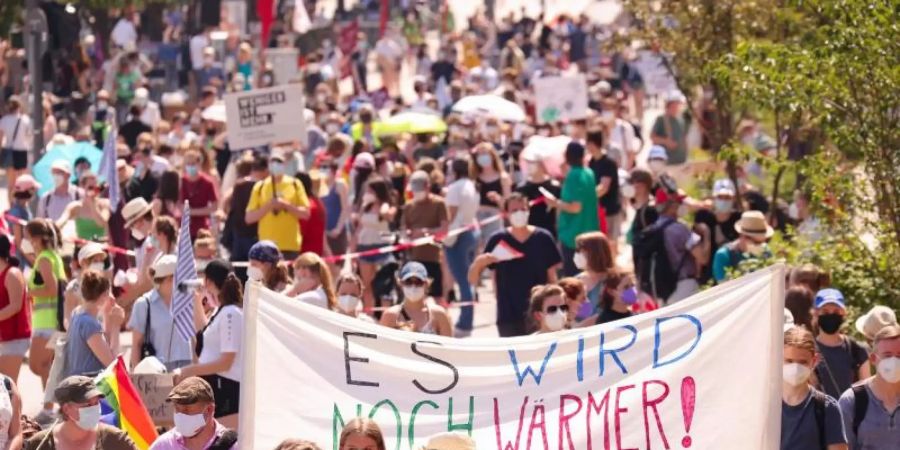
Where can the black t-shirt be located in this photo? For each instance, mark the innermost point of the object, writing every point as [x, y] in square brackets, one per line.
[131, 130]
[516, 277]
[609, 315]
[540, 215]
[720, 233]
[606, 167]
[442, 69]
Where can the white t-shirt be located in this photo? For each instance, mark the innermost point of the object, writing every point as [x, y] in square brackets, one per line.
[463, 195]
[20, 140]
[151, 114]
[124, 34]
[315, 297]
[197, 44]
[223, 335]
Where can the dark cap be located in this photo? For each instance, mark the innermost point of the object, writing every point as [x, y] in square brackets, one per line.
[76, 389]
[217, 271]
[192, 390]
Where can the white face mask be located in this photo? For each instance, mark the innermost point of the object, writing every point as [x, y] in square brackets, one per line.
[628, 190]
[889, 369]
[555, 321]
[59, 180]
[795, 374]
[419, 195]
[722, 205]
[254, 273]
[98, 266]
[88, 417]
[26, 247]
[138, 234]
[519, 219]
[484, 160]
[348, 303]
[656, 166]
[580, 261]
[189, 425]
[414, 293]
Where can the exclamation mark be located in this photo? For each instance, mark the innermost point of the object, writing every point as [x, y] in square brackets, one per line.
[688, 399]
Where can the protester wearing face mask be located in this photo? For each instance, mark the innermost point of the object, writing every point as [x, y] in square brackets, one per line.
[266, 266]
[417, 312]
[218, 343]
[53, 204]
[656, 160]
[275, 205]
[619, 294]
[200, 192]
[367, 129]
[720, 218]
[195, 426]
[869, 409]
[540, 214]
[312, 282]
[90, 257]
[494, 184]
[80, 427]
[349, 290]
[522, 256]
[753, 231]
[25, 188]
[152, 324]
[810, 420]
[844, 361]
[91, 214]
[593, 257]
[549, 311]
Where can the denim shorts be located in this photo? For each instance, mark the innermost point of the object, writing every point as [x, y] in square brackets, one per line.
[15, 347]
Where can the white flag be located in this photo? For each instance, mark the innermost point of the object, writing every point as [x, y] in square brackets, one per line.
[301, 18]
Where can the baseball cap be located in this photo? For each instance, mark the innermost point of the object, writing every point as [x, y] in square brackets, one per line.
[164, 266]
[413, 269]
[26, 182]
[265, 251]
[61, 165]
[723, 187]
[830, 295]
[657, 152]
[76, 389]
[89, 250]
[364, 160]
[191, 390]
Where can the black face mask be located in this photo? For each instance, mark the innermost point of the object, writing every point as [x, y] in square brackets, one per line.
[830, 323]
[22, 195]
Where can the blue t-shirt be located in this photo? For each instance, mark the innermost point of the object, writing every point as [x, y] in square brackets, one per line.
[800, 431]
[80, 359]
[516, 277]
[171, 349]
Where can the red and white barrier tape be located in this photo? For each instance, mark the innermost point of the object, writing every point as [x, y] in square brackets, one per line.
[76, 240]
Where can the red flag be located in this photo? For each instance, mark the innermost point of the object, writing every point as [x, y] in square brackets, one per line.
[264, 10]
[383, 17]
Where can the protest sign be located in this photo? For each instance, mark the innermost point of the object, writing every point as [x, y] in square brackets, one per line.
[702, 373]
[657, 79]
[265, 116]
[560, 98]
[154, 389]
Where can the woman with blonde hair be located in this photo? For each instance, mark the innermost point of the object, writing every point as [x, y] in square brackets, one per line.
[312, 282]
[349, 290]
[593, 257]
[493, 184]
[361, 433]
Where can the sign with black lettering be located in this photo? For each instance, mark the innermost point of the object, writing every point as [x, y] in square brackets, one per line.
[265, 116]
[154, 389]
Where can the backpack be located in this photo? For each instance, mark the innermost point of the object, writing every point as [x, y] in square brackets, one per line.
[657, 276]
[225, 441]
[860, 406]
[819, 400]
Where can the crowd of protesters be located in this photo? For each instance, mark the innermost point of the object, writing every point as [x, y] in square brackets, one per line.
[610, 235]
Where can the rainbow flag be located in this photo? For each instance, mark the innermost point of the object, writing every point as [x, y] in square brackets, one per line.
[124, 399]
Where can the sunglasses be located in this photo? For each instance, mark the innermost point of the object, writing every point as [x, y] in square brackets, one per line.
[554, 308]
[414, 282]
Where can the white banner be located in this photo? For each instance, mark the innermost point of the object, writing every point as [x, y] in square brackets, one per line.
[265, 116]
[560, 98]
[703, 373]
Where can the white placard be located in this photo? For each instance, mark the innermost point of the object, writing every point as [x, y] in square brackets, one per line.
[265, 116]
[656, 77]
[560, 98]
[704, 373]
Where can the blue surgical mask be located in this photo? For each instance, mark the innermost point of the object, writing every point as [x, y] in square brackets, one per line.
[276, 168]
[191, 170]
[723, 205]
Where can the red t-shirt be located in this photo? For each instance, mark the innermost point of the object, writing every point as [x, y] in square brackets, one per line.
[19, 325]
[313, 229]
[199, 193]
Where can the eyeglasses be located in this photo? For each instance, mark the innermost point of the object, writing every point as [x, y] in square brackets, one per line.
[414, 282]
[554, 308]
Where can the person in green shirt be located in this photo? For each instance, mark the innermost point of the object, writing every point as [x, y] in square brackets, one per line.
[670, 129]
[577, 205]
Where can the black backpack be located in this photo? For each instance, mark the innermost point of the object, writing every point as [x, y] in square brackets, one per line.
[657, 276]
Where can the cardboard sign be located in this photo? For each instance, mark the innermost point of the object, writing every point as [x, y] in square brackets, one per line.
[265, 116]
[154, 388]
[703, 373]
[561, 98]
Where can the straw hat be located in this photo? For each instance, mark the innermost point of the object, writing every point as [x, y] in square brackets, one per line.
[753, 223]
[873, 321]
[134, 210]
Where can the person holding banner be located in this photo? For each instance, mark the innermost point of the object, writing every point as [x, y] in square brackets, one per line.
[349, 290]
[195, 425]
[549, 310]
[810, 420]
[522, 257]
[417, 312]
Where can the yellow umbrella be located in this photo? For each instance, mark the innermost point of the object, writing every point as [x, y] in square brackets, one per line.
[412, 122]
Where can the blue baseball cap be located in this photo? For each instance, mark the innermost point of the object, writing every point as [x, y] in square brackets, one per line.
[265, 251]
[413, 269]
[658, 152]
[826, 296]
